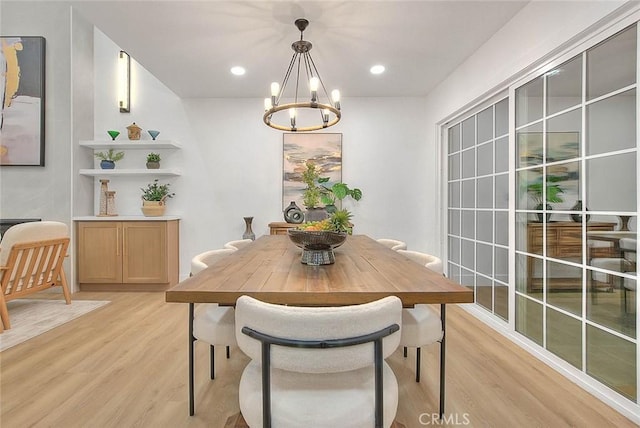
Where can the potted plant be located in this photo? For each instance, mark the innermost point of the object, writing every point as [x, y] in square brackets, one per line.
[553, 190]
[337, 192]
[312, 194]
[154, 197]
[153, 161]
[108, 160]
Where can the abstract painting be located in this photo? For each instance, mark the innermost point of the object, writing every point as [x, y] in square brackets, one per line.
[324, 150]
[22, 93]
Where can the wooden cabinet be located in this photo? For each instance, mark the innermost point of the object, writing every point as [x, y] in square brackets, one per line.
[127, 255]
[280, 228]
[564, 241]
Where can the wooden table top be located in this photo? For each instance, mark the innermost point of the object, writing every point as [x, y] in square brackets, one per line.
[270, 270]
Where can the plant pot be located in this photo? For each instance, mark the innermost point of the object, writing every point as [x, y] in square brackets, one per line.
[153, 208]
[107, 164]
[153, 165]
[315, 214]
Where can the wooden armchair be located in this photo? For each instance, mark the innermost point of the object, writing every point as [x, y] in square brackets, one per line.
[31, 257]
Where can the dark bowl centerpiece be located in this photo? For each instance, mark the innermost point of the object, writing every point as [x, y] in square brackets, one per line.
[318, 239]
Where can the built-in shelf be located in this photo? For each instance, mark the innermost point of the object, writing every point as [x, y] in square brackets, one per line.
[124, 172]
[130, 145]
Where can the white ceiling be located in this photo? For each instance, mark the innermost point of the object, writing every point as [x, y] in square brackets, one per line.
[191, 45]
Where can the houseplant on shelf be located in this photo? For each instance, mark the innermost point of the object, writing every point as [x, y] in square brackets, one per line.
[153, 161]
[108, 160]
[154, 198]
[553, 189]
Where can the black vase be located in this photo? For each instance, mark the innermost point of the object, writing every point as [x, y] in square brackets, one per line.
[248, 232]
[578, 217]
[293, 214]
[541, 214]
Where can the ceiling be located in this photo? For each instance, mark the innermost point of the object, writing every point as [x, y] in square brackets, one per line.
[191, 45]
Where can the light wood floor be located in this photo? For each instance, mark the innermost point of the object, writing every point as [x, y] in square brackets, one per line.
[125, 365]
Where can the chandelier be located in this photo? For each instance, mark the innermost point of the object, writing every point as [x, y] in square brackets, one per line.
[328, 113]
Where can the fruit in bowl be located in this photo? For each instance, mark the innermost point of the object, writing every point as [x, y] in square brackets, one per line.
[339, 221]
[318, 239]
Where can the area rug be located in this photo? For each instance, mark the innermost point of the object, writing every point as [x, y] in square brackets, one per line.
[31, 317]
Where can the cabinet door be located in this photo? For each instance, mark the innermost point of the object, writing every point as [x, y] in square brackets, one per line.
[99, 252]
[145, 252]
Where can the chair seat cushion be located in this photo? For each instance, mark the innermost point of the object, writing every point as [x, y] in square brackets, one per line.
[421, 326]
[317, 400]
[215, 324]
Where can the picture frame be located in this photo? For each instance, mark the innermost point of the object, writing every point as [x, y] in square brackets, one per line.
[323, 149]
[22, 100]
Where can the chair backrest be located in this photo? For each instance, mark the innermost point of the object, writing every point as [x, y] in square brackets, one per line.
[431, 262]
[394, 244]
[629, 248]
[206, 259]
[318, 323]
[32, 254]
[240, 243]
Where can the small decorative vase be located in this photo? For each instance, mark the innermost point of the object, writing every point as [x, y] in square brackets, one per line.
[624, 222]
[293, 214]
[248, 233]
[153, 208]
[315, 214]
[153, 165]
[134, 131]
[541, 215]
[578, 217]
[107, 164]
[111, 203]
[113, 134]
[104, 188]
[153, 133]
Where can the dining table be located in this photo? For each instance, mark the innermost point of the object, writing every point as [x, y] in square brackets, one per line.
[270, 270]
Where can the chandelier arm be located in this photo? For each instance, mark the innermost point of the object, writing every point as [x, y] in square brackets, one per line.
[268, 113]
[286, 77]
[297, 79]
[321, 82]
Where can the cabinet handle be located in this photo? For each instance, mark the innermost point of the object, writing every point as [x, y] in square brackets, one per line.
[117, 241]
[124, 242]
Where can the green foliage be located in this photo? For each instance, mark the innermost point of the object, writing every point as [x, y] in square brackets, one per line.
[341, 221]
[156, 192]
[535, 189]
[153, 157]
[338, 191]
[311, 195]
[111, 155]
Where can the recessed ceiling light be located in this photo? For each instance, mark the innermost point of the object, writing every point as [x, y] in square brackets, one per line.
[377, 69]
[238, 71]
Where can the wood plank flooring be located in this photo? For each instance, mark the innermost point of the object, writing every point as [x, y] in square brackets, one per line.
[125, 365]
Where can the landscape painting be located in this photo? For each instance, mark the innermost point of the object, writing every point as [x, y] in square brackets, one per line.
[324, 150]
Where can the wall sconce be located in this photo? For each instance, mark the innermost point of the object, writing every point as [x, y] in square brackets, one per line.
[124, 82]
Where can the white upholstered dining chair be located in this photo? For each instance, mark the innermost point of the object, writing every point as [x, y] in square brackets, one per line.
[240, 243]
[212, 324]
[421, 325]
[394, 244]
[320, 367]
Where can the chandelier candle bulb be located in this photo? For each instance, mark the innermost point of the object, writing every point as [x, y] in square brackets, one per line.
[335, 95]
[325, 116]
[267, 104]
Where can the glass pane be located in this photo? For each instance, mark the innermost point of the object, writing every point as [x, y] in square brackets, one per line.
[564, 241]
[485, 159]
[485, 125]
[612, 360]
[468, 224]
[529, 318]
[454, 249]
[502, 265]
[529, 275]
[611, 183]
[611, 124]
[502, 191]
[564, 86]
[530, 189]
[564, 287]
[611, 65]
[454, 222]
[563, 136]
[454, 138]
[466, 278]
[501, 303]
[469, 163]
[468, 255]
[606, 302]
[454, 166]
[469, 194]
[485, 226]
[484, 259]
[527, 234]
[529, 102]
[485, 192]
[469, 133]
[502, 154]
[564, 337]
[454, 194]
[484, 292]
[608, 246]
[502, 228]
[453, 273]
[502, 117]
[529, 145]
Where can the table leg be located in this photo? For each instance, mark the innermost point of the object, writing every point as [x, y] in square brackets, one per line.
[191, 340]
[443, 317]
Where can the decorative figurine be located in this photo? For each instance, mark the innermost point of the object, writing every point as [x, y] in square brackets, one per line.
[153, 133]
[134, 131]
[113, 134]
